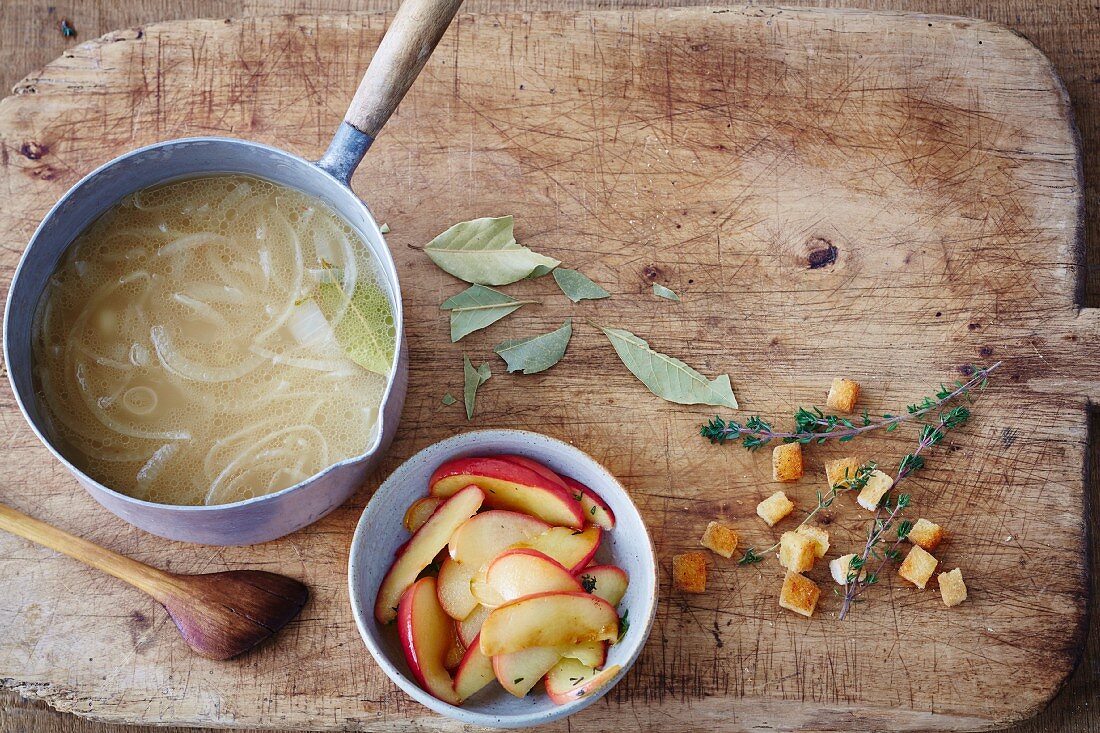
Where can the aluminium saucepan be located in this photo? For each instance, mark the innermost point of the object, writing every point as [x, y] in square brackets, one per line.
[412, 36]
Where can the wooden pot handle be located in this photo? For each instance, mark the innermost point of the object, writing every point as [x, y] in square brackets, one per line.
[412, 36]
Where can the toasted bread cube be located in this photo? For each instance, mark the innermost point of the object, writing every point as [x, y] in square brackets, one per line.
[787, 462]
[843, 395]
[841, 470]
[918, 566]
[689, 572]
[952, 587]
[774, 508]
[878, 483]
[926, 535]
[796, 552]
[841, 568]
[799, 594]
[819, 535]
[720, 538]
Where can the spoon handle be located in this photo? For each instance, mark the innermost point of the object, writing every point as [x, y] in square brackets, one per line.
[152, 581]
[412, 36]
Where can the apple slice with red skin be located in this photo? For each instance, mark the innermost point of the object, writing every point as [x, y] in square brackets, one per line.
[571, 680]
[474, 671]
[484, 536]
[419, 512]
[422, 549]
[535, 466]
[522, 572]
[609, 582]
[548, 619]
[594, 507]
[470, 627]
[426, 632]
[509, 486]
[519, 671]
[570, 547]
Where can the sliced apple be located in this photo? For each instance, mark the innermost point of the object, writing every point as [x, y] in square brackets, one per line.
[509, 486]
[524, 572]
[484, 536]
[519, 671]
[472, 546]
[570, 547]
[453, 585]
[419, 511]
[474, 671]
[548, 619]
[571, 680]
[595, 508]
[422, 548]
[609, 582]
[456, 650]
[426, 632]
[470, 627]
[535, 466]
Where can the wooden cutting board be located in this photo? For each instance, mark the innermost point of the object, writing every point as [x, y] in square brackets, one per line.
[883, 196]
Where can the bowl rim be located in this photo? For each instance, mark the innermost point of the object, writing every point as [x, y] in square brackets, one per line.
[363, 617]
[384, 255]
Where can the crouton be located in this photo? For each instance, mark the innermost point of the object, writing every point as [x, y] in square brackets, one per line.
[719, 538]
[689, 572]
[796, 552]
[926, 535]
[841, 569]
[843, 395]
[774, 508]
[819, 535]
[799, 594]
[918, 566]
[952, 587]
[878, 483]
[787, 462]
[841, 470]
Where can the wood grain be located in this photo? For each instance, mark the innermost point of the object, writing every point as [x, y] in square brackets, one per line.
[676, 678]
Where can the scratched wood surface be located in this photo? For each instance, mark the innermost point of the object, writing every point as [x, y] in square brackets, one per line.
[717, 153]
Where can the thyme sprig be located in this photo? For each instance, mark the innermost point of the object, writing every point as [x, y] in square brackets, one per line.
[813, 425]
[887, 515]
[855, 482]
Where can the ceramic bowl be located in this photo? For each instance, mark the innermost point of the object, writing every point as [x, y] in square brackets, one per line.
[380, 533]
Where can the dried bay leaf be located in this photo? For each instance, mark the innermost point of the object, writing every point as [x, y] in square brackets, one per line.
[662, 292]
[577, 286]
[477, 307]
[366, 331]
[484, 252]
[449, 399]
[472, 379]
[668, 377]
[536, 353]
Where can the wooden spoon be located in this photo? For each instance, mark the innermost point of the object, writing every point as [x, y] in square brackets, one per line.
[220, 615]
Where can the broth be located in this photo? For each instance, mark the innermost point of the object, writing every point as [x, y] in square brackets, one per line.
[212, 340]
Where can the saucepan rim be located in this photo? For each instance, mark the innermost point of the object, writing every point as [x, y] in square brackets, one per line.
[383, 254]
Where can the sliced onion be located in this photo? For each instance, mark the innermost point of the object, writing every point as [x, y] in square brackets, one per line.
[215, 293]
[296, 283]
[181, 366]
[203, 310]
[111, 423]
[219, 494]
[328, 366]
[190, 242]
[149, 472]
